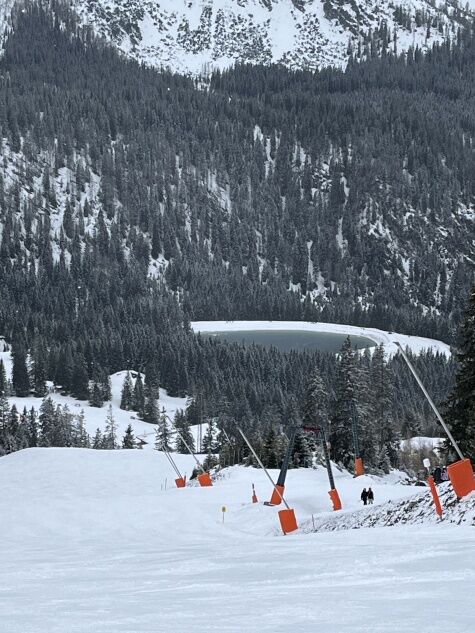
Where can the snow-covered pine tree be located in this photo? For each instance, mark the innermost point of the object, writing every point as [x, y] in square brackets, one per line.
[381, 401]
[208, 443]
[81, 436]
[138, 396]
[128, 440]
[105, 386]
[181, 424]
[460, 409]
[151, 393]
[96, 398]
[20, 377]
[340, 431]
[126, 398]
[3, 379]
[97, 440]
[47, 421]
[163, 435]
[38, 370]
[32, 427]
[109, 439]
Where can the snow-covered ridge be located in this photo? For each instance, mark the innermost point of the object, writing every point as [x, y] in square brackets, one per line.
[198, 35]
[415, 344]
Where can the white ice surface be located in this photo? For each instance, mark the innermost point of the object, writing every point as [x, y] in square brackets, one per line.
[92, 544]
[415, 343]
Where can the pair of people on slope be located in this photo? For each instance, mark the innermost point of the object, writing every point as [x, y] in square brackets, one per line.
[367, 496]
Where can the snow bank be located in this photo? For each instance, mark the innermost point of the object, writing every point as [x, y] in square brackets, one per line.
[417, 509]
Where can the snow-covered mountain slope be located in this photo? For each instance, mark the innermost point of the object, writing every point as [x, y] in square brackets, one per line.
[198, 35]
[91, 543]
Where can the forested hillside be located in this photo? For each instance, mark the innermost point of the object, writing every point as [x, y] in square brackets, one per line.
[133, 201]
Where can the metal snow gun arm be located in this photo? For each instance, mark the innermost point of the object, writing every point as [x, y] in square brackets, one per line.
[461, 472]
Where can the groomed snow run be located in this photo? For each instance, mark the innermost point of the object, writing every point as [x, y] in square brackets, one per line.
[91, 542]
[415, 344]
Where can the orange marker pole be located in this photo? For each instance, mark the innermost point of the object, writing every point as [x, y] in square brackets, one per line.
[435, 496]
[254, 496]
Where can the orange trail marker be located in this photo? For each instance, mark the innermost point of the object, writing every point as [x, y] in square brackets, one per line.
[435, 496]
[254, 496]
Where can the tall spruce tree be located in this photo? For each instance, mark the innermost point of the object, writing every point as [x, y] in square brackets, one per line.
[181, 424]
[20, 377]
[460, 409]
[128, 440]
[126, 398]
[109, 438]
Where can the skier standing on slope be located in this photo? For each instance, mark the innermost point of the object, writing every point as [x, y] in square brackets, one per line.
[364, 496]
[370, 496]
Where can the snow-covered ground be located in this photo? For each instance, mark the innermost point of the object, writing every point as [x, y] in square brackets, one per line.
[91, 542]
[415, 343]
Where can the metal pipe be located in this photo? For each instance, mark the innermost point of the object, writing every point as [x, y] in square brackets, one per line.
[430, 401]
[185, 443]
[263, 468]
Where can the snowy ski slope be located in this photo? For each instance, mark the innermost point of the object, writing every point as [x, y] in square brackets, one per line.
[92, 543]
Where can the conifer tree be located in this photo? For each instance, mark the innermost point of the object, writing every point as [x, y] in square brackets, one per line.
[128, 440]
[181, 424]
[126, 399]
[460, 410]
[32, 427]
[47, 421]
[81, 436]
[139, 398]
[340, 432]
[163, 434]
[20, 377]
[97, 441]
[80, 379]
[109, 439]
[3, 379]
[96, 398]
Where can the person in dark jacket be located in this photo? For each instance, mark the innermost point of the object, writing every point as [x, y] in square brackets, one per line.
[438, 475]
[364, 496]
[370, 496]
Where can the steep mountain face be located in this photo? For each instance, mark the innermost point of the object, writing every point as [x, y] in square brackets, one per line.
[353, 191]
[198, 35]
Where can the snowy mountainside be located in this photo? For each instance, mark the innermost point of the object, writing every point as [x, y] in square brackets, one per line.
[199, 35]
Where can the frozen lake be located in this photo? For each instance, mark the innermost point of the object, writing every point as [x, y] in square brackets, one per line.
[287, 340]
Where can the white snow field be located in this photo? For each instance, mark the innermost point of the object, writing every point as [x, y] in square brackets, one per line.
[415, 344]
[90, 543]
